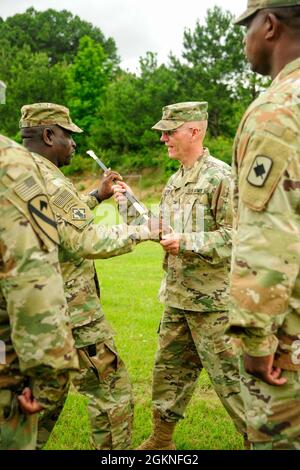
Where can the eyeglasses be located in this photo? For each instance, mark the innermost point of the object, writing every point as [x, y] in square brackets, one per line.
[170, 133]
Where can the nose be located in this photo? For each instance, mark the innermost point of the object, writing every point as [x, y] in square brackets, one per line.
[164, 137]
[73, 143]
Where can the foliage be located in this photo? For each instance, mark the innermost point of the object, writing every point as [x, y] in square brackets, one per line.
[87, 83]
[133, 105]
[57, 33]
[57, 57]
[23, 88]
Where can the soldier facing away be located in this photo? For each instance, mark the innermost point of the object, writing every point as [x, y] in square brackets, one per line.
[35, 328]
[265, 280]
[195, 202]
[47, 130]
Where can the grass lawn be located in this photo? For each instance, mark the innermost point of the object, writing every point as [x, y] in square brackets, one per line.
[129, 286]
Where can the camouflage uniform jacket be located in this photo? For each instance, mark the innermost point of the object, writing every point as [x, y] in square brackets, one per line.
[266, 256]
[196, 202]
[81, 239]
[34, 324]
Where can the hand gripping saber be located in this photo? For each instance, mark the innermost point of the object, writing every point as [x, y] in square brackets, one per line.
[131, 198]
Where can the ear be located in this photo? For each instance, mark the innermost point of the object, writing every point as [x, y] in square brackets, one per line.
[48, 135]
[273, 26]
[195, 132]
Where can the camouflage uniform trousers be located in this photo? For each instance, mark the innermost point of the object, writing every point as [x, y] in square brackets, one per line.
[18, 431]
[104, 380]
[188, 342]
[272, 412]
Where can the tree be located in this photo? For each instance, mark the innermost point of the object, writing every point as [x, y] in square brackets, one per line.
[57, 33]
[132, 106]
[89, 76]
[215, 70]
[29, 79]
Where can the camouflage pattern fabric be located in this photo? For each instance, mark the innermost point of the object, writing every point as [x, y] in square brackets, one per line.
[197, 279]
[103, 376]
[255, 5]
[177, 114]
[34, 324]
[103, 379]
[47, 114]
[272, 413]
[265, 267]
[196, 203]
[189, 342]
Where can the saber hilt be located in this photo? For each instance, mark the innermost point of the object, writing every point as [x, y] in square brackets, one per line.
[130, 197]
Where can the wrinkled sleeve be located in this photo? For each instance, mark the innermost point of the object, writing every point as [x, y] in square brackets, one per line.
[266, 254]
[90, 201]
[96, 241]
[213, 245]
[32, 286]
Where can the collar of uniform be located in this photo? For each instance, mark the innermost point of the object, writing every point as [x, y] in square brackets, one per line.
[191, 175]
[287, 70]
[48, 163]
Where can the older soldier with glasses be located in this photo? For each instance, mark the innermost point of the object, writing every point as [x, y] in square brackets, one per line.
[195, 202]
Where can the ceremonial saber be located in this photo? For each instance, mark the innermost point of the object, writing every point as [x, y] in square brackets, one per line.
[131, 198]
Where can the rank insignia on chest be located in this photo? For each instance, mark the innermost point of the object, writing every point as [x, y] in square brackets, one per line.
[260, 171]
[78, 213]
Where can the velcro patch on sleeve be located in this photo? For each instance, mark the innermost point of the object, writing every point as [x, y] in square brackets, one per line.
[42, 215]
[79, 213]
[62, 198]
[28, 188]
[264, 163]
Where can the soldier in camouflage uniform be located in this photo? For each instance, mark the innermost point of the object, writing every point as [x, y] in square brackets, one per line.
[46, 129]
[35, 335]
[195, 203]
[265, 284]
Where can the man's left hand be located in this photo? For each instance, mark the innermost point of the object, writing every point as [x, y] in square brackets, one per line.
[171, 243]
[105, 190]
[264, 369]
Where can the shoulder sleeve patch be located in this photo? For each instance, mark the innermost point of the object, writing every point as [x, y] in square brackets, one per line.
[264, 163]
[260, 170]
[42, 214]
[62, 198]
[28, 188]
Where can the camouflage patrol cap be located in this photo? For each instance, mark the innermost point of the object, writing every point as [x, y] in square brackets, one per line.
[47, 114]
[255, 5]
[177, 114]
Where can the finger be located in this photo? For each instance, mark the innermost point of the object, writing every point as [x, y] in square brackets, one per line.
[118, 189]
[166, 243]
[25, 404]
[167, 236]
[276, 373]
[115, 175]
[268, 378]
[27, 393]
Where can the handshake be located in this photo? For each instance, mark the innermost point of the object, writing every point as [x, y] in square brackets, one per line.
[159, 231]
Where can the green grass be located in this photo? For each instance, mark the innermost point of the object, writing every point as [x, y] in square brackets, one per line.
[129, 286]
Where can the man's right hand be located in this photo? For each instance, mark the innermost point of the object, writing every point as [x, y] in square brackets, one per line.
[263, 368]
[28, 404]
[105, 190]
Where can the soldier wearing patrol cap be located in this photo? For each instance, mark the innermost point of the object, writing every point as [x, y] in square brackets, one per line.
[265, 280]
[195, 202]
[47, 130]
[36, 346]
